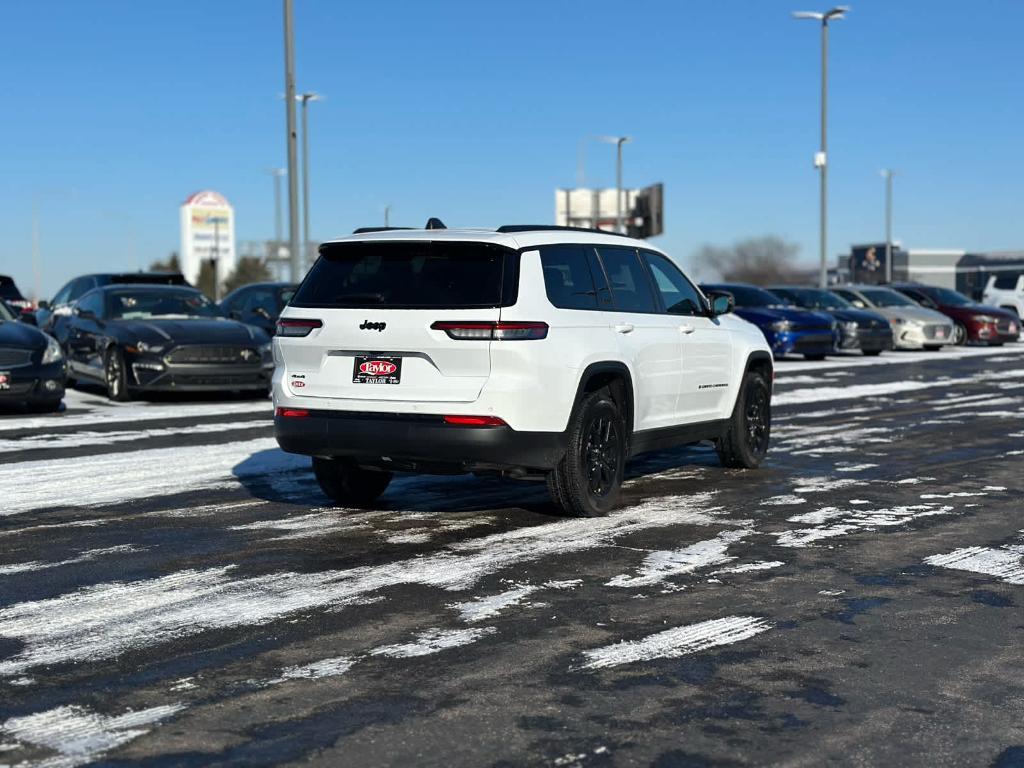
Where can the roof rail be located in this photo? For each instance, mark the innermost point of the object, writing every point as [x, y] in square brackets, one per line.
[512, 228]
[364, 230]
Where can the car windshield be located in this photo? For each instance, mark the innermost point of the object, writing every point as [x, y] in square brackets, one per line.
[749, 296]
[946, 296]
[884, 297]
[812, 298]
[142, 304]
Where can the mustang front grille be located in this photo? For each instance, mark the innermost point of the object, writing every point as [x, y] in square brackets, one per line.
[212, 355]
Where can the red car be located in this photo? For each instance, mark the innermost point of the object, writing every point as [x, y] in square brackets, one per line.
[972, 322]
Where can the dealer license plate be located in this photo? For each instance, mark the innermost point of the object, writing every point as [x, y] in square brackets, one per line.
[377, 369]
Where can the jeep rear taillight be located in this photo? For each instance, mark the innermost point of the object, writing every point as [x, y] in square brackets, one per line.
[296, 327]
[502, 331]
[475, 421]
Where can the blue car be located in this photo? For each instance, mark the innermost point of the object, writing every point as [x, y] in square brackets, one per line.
[858, 328]
[788, 329]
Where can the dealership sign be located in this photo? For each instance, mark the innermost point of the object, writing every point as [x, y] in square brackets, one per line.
[207, 234]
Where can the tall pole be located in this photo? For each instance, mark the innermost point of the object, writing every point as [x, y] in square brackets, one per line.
[821, 161]
[387, 216]
[215, 258]
[888, 173]
[36, 267]
[293, 186]
[277, 173]
[305, 98]
[823, 276]
[618, 183]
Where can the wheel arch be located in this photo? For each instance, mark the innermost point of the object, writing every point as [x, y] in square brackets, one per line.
[617, 377]
[760, 362]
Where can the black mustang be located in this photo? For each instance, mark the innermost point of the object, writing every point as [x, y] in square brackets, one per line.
[156, 337]
[31, 365]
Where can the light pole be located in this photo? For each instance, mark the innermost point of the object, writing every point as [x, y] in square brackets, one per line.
[293, 187]
[887, 174]
[277, 173]
[618, 141]
[215, 258]
[305, 98]
[821, 160]
[387, 216]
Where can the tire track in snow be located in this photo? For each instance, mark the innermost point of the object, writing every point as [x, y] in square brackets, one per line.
[678, 641]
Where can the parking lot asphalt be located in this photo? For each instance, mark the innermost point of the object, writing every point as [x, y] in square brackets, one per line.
[175, 591]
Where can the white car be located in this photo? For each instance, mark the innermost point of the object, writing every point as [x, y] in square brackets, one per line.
[913, 326]
[1006, 292]
[544, 353]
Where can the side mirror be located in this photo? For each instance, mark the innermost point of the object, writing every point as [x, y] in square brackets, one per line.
[44, 304]
[262, 313]
[234, 314]
[85, 314]
[721, 303]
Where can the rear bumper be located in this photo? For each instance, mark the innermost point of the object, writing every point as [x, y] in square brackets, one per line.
[417, 442]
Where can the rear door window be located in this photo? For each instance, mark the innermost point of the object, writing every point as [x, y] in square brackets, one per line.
[568, 277]
[410, 275]
[631, 288]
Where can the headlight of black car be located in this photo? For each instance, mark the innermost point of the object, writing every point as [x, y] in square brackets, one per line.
[53, 351]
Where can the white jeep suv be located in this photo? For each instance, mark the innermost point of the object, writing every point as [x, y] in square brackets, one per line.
[535, 352]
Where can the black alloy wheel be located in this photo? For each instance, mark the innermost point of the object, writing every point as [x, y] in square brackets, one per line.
[588, 480]
[748, 434]
[115, 375]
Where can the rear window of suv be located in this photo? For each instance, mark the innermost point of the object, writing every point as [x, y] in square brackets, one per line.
[411, 275]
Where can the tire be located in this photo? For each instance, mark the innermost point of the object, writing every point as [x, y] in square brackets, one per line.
[745, 442]
[872, 352]
[348, 485]
[115, 374]
[932, 347]
[588, 480]
[814, 357]
[959, 334]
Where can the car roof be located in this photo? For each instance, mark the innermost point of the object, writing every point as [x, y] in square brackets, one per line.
[518, 240]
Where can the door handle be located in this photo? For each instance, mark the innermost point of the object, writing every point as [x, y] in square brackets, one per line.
[686, 328]
[623, 327]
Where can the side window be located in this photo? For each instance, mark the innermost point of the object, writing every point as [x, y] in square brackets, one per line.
[80, 287]
[677, 293]
[631, 288]
[567, 277]
[848, 295]
[92, 302]
[1005, 282]
[236, 302]
[62, 296]
[258, 300]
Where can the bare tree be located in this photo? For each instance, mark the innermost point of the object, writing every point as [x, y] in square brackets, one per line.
[171, 265]
[758, 260]
[249, 269]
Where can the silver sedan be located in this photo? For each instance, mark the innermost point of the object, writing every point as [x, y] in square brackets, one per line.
[913, 326]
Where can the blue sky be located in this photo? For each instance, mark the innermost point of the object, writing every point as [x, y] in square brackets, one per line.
[116, 111]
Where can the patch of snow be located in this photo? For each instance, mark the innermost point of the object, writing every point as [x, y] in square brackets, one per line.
[433, 641]
[333, 667]
[1006, 563]
[661, 565]
[678, 641]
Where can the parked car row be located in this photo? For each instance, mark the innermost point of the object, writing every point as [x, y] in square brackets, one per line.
[815, 322]
[135, 332]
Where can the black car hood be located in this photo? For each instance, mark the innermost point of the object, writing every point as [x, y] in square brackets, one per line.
[861, 317]
[188, 331]
[21, 335]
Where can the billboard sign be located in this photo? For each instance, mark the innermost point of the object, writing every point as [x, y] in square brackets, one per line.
[207, 233]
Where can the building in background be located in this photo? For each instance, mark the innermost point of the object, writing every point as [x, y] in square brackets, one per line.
[960, 270]
[207, 234]
[642, 209]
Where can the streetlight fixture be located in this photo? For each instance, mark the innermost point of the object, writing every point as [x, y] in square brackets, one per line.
[821, 159]
[887, 174]
[618, 141]
[289, 101]
[305, 98]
